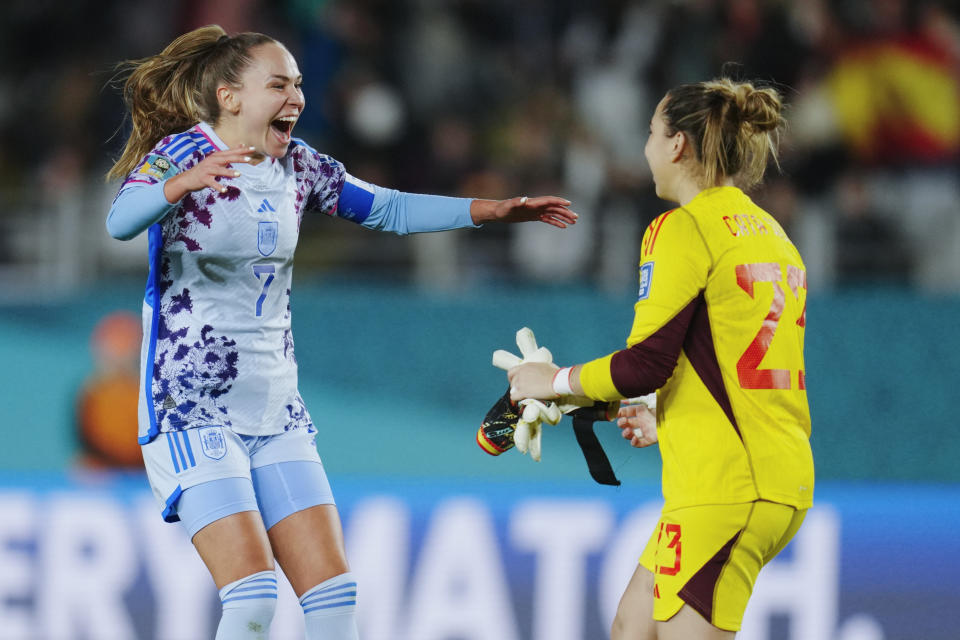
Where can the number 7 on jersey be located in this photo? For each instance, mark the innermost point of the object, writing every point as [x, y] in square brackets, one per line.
[263, 269]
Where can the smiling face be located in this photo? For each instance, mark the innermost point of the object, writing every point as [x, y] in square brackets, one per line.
[263, 110]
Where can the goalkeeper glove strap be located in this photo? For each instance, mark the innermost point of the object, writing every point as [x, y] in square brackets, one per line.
[597, 462]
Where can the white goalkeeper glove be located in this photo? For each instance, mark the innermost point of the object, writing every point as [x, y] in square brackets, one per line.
[533, 412]
[527, 435]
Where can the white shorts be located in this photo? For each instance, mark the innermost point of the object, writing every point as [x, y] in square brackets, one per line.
[178, 460]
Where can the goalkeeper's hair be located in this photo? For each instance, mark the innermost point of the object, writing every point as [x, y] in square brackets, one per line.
[176, 88]
[733, 128]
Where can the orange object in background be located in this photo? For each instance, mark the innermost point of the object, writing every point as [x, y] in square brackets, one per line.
[106, 407]
[107, 415]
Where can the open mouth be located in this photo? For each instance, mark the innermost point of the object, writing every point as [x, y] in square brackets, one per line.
[283, 126]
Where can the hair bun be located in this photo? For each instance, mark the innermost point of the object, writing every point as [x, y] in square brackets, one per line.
[760, 108]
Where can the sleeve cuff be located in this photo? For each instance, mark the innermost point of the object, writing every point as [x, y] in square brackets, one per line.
[596, 381]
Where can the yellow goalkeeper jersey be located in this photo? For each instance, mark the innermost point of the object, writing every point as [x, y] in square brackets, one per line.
[718, 331]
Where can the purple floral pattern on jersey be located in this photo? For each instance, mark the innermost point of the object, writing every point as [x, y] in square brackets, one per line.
[231, 194]
[189, 378]
[319, 180]
[298, 416]
[193, 212]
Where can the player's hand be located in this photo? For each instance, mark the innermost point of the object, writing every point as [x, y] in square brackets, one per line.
[638, 424]
[552, 210]
[205, 174]
[532, 380]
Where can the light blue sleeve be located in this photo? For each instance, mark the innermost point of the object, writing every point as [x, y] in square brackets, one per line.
[135, 209]
[400, 212]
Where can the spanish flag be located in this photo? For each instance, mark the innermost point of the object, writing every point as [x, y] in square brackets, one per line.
[898, 100]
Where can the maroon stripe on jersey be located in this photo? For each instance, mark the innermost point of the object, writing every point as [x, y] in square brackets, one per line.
[699, 590]
[647, 365]
[699, 348]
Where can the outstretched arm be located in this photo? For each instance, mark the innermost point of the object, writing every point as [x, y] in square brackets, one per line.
[400, 212]
[549, 209]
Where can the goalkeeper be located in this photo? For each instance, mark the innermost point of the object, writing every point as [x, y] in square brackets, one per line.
[718, 333]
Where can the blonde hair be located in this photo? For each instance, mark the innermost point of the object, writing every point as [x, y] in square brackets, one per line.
[733, 127]
[176, 88]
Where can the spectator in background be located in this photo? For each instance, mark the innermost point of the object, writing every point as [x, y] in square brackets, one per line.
[106, 406]
[889, 104]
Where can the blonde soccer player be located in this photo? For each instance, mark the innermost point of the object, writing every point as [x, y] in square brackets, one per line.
[718, 333]
[213, 175]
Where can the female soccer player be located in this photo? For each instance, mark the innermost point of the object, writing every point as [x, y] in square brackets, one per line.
[718, 332]
[213, 173]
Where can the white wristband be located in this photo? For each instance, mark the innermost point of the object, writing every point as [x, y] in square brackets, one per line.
[561, 382]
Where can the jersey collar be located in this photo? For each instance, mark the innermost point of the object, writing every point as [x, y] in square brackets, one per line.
[211, 135]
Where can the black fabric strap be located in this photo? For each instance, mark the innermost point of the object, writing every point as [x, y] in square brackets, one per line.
[597, 462]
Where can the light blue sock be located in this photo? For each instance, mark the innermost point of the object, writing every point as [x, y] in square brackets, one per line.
[248, 606]
[329, 609]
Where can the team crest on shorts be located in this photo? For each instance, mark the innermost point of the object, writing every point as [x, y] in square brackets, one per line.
[646, 276]
[267, 237]
[212, 442]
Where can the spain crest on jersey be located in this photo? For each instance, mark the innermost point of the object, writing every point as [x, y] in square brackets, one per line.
[267, 237]
[212, 442]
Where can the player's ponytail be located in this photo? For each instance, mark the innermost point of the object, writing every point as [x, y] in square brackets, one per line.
[733, 128]
[175, 89]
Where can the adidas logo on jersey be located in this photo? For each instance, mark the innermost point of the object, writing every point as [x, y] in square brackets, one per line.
[265, 206]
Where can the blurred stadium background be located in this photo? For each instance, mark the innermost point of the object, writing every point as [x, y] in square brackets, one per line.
[492, 98]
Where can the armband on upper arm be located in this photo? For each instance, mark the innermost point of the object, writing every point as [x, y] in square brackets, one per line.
[356, 199]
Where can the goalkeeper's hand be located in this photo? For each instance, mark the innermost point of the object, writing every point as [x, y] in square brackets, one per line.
[637, 420]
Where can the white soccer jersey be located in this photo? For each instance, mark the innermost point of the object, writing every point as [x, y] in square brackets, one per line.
[218, 348]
